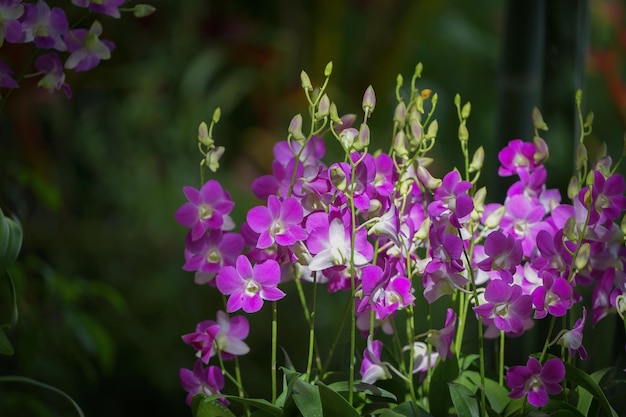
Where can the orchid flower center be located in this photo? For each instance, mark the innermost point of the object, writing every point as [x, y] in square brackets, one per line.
[214, 256]
[205, 211]
[252, 287]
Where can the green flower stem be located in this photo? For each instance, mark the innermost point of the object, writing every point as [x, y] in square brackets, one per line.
[312, 330]
[501, 367]
[274, 346]
[352, 289]
[481, 354]
[42, 385]
[333, 346]
[462, 318]
[410, 336]
[547, 342]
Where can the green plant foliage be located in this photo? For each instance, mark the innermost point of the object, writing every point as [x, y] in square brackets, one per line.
[586, 382]
[464, 400]
[439, 394]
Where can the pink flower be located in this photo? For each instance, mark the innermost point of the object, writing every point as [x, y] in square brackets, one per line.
[207, 381]
[87, 50]
[536, 381]
[573, 339]
[452, 199]
[554, 296]
[208, 208]
[108, 7]
[248, 286]
[372, 368]
[442, 339]
[278, 222]
[504, 254]
[517, 155]
[506, 306]
[44, 26]
[212, 251]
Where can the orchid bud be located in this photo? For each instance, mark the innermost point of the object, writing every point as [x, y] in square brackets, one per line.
[347, 120]
[424, 229]
[418, 70]
[364, 137]
[143, 10]
[348, 136]
[582, 258]
[203, 135]
[338, 177]
[217, 113]
[435, 99]
[425, 93]
[213, 157]
[306, 81]
[457, 100]
[623, 225]
[463, 132]
[334, 116]
[573, 188]
[329, 69]
[419, 104]
[479, 203]
[427, 179]
[477, 160]
[323, 108]
[493, 220]
[416, 130]
[369, 100]
[399, 81]
[295, 128]
[604, 166]
[433, 128]
[569, 229]
[602, 151]
[538, 122]
[541, 150]
[588, 120]
[465, 111]
[399, 144]
[399, 114]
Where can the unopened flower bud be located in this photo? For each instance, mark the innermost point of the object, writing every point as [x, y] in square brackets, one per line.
[213, 158]
[623, 225]
[419, 104]
[493, 220]
[435, 99]
[569, 229]
[369, 100]
[457, 100]
[465, 111]
[323, 109]
[399, 144]
[538, 122]
[418, 70]
[348, 136]
[479, 203]
[541, 150]
[217, 113]
[416, 130]
[582, 258]
[295, 128]
[346, 121]
[203, 135]
[427, 179]
[463, 132]
[477, 160]
[581, 156]
[399, 81]
[143, 10]
[334, 116]
[399, 114]
[433, 128]
[338, 177]
[425, 93]
[604, 166]
[588, 120]
[573, 188]
[424, 229]
[364, 137]
[306, 81]
[329, 69]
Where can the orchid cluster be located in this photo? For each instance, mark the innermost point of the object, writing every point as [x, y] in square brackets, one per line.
[381, 228]
[49, 30]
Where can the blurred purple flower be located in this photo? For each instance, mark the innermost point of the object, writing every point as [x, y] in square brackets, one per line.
[44, 26]
[54, 77]
[87, 50]
[108, 7]
[207, 381]
[212, 251]
[6, 76]
[10, 26]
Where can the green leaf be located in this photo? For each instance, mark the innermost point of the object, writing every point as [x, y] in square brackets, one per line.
[307, 399]
[438, 393]
[585, 398]
[368, 389]
[562, 407]
[496, 394]
[333, 404]
[203, 406]
[267, 407]
[464, 400]
[407, 409]
[583, 380]
[5, 344]
[10, 242]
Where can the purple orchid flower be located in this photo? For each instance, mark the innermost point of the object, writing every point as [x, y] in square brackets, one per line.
[452, 199]
[10, 26]
[573, 339]
[108, 7]
[516, 156]
[207, 381]
[278, 223]
[442, 339]
[44, 26]
[554, 296]
[506, 306]
[212, 251]
[6, 76]
[372, 368]
[54, 77]
[248, 286]
[536, 381]
[208, 208]
[87, 50]
[202, 339]
[504, 254]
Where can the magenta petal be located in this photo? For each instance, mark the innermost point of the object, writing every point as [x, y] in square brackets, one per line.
[498, 292]
[244, 268]
[228, 280]
[259, 219]
[553, 371]
[235, 302]
[267, 273]
[252, 303]
[538, 397]
[272, 294]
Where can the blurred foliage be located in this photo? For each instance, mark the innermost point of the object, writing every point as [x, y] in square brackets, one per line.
[95, 180]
